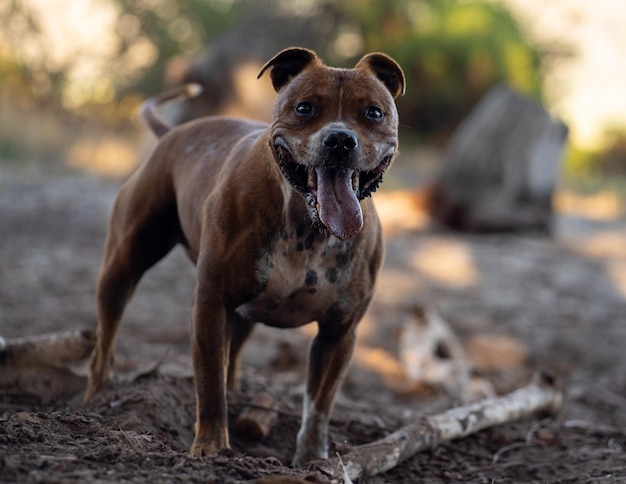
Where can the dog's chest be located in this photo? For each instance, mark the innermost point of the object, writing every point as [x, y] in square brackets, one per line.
[303, 275]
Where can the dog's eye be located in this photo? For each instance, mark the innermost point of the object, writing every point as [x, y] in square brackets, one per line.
[374, 113]
[305, 109]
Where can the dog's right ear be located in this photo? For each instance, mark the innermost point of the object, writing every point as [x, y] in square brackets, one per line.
[287, 64]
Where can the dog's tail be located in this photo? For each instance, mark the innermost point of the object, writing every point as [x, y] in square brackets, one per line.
[149, 108]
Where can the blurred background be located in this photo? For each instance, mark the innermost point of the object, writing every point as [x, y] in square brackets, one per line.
[73, 73]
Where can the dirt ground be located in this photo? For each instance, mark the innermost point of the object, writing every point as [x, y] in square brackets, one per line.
[517, 303]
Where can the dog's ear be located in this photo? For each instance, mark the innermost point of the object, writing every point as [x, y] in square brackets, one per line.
[287, 64]
[386, 70]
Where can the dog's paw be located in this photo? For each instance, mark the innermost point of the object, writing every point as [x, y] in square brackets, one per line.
[304, 456]
[94, 384]
[205, 449]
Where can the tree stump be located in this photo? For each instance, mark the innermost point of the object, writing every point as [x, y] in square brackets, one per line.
[500, 168]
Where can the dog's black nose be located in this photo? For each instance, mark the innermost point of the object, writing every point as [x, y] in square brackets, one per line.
[340, 141]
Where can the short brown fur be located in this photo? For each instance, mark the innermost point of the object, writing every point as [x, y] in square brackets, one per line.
[233, 194]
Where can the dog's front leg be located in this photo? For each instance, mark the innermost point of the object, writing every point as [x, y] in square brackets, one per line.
[209, 361]
[329, 356]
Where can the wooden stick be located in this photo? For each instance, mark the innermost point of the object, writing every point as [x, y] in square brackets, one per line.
[428, 432]
[47, 350]
[257, 421]
[44, 383]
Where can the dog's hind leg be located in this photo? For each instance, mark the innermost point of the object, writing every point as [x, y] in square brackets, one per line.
[142, 230]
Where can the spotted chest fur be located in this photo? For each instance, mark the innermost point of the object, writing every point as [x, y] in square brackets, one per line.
[302, 277]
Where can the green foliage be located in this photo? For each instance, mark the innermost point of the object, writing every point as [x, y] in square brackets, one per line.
[451, 51]
[603, 167]
[175, 28]
[612, 158]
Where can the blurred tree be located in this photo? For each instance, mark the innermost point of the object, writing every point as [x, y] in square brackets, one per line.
[48, 57]
[600, 167]
[18, 77]
[612, 159]
[175, 28]
[452, 51]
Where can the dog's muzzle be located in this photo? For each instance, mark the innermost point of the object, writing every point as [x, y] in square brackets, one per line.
[332, 191]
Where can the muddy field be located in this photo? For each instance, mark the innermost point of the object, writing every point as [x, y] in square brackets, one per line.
[517, 303]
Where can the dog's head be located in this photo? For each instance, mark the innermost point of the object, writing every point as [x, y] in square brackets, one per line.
[335, 131]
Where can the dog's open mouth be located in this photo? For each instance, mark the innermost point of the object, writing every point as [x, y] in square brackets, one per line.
[332, 193]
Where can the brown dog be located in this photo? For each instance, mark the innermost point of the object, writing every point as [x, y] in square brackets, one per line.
[278, 222]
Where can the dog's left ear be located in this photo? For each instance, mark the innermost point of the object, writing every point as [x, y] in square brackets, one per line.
[386, 70]
[287, 64]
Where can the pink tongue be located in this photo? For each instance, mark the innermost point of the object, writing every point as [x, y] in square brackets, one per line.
[340, 210]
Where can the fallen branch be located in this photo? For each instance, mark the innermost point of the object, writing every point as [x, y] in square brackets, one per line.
[428, 432]
[44, 383]
[51, 350]
[257, 420]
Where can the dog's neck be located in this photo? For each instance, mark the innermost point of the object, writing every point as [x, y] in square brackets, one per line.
[296, 218]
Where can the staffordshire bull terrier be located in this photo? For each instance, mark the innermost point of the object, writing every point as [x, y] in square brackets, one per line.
[278, 221]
